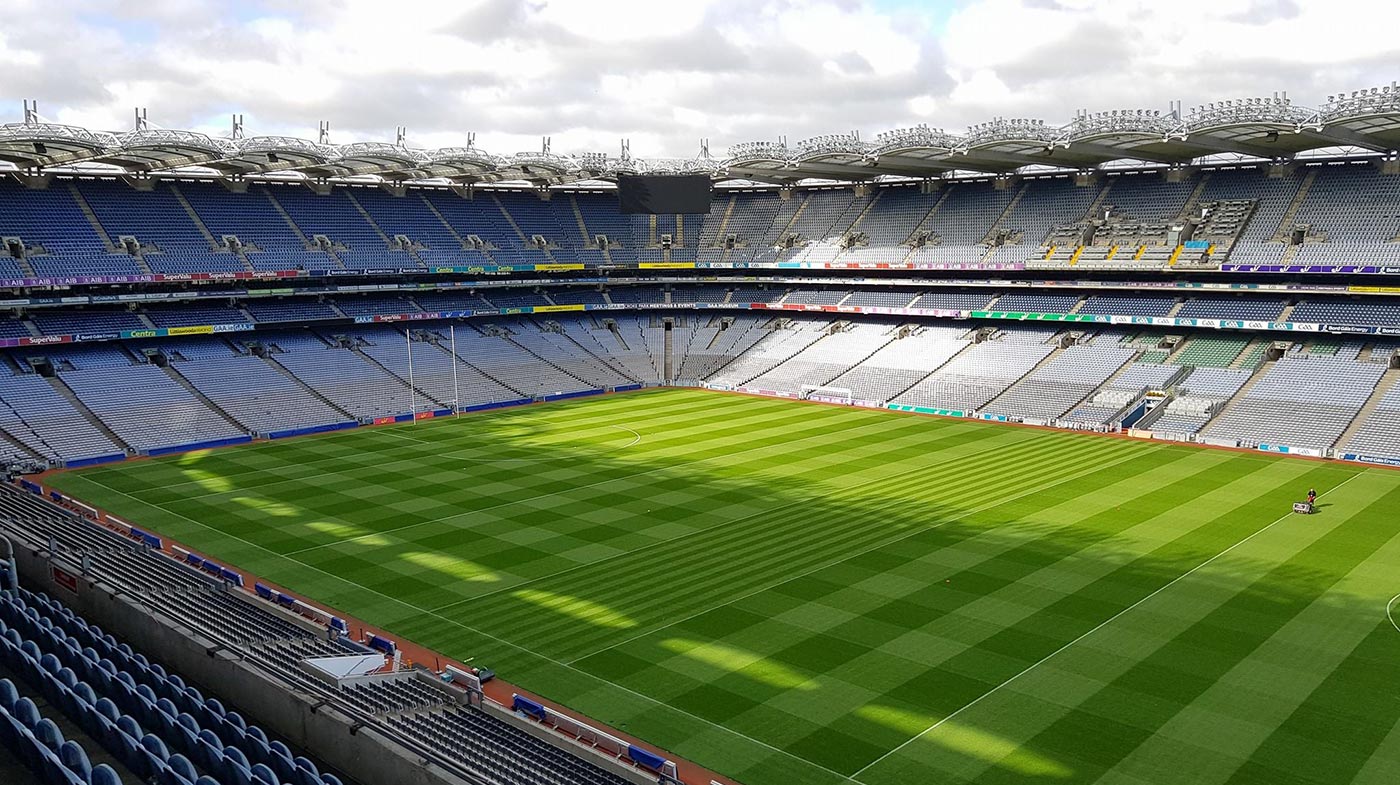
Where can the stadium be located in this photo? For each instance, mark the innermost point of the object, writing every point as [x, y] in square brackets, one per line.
[1047, 451]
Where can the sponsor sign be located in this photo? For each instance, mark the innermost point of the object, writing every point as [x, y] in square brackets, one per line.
[1382, 460]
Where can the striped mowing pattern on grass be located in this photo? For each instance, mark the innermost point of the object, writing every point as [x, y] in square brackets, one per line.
[792, 594]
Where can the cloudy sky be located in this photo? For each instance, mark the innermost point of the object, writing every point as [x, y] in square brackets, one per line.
[664, 73]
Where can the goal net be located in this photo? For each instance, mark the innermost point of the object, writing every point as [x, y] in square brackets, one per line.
[815, 392]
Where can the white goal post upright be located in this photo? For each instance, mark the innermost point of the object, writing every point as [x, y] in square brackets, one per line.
[817, 392]
[412, 398]
[456, 396]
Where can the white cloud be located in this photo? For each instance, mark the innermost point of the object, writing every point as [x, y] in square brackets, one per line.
[923, 105]
[829, 30]
[663, 74]
[614, 21]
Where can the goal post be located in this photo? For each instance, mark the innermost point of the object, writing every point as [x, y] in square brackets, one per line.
[817, 392]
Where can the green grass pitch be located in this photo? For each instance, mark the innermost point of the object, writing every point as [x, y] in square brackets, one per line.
[794, 594]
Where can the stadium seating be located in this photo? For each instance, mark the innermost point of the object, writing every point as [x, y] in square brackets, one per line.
[1271, 197]
[874, 298]
[553, 346]
[1379, 432]
[368, 305]
[1213, 351]
[342, 306]
[1350, 210]
[270, 241]
[1199, 397]
[900, 363]
[717, 343]
[290, 310]
[449, 301]
[169, 239]
[100, 226]
[1347, 312]
[145, 718]
[193, 314]
[250, 390]
[146, 407]
[44, 421]
[1054, 388]
[623, 295]
[825, 359]
[215, 390]
[781, 344]
[1036, 303]
[975, 376]
[199, 226]
[58, 237]
[89, 322]
[1251, 308]
[1107, 304]
[432, 241]
[816, 296]
[354, 242]
[633, 344]
[150, 725]
[40, 744]
[1125, 388]
[954, 301]
[351, 383]
[1298, 402]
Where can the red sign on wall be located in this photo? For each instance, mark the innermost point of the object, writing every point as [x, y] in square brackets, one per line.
[64, 578]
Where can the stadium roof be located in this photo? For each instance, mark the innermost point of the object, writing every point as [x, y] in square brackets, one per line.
[1270, 128]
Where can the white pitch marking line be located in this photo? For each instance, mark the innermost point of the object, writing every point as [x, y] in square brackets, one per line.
[636, 437]
[1388, 607]
[390, 432]
[1100, 626]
